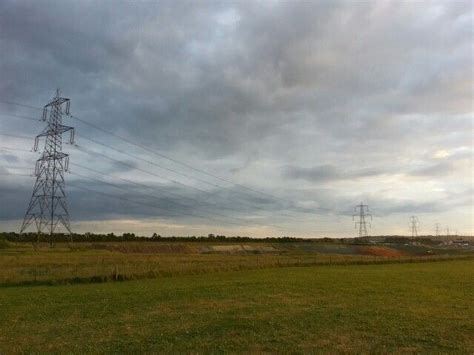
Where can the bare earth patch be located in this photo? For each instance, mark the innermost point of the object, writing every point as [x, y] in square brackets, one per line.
[380, 251]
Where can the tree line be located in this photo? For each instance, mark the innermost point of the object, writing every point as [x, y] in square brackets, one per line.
[132, 237]
[129, 237]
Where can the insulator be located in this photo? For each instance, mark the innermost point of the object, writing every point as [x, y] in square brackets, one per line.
[37, 168]
[35, 147]
[45, 114]
[71, 136]
[68, 104]
[66, 164]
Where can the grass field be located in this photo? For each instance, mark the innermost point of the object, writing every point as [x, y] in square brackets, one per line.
[405, 308]
[80, 263]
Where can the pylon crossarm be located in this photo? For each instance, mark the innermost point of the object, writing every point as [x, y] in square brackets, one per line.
[58, 101]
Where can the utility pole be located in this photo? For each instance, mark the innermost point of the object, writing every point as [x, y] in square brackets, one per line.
[362, 223]
[437, 229]
[47, 208]
[414, 223]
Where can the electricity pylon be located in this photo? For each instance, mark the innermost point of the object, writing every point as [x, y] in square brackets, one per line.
[47, 207]
[437, 229]
[362, 223]
[414, 223]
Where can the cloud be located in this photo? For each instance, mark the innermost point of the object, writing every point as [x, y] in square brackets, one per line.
[9, 158]
[327, 173]
[278, 96]
[441, 168]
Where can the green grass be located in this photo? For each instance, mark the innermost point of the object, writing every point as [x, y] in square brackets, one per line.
[404, 308]
[21, 265]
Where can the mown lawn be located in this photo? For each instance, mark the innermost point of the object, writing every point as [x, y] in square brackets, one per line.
[425, 307]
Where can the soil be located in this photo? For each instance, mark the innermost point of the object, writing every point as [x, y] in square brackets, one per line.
[380, 251]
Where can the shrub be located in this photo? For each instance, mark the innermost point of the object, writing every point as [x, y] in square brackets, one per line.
[3, 242]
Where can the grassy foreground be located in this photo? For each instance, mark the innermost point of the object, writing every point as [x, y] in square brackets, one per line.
[425, 307]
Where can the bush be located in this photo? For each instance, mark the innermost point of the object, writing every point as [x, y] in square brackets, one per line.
[3, 243]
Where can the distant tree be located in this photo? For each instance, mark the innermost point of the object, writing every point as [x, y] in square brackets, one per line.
[128, 236]
[155, 236]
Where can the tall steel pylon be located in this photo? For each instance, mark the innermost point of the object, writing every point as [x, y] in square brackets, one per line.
[48, 207]
[362, 223]
[437, 229]
[414, 223]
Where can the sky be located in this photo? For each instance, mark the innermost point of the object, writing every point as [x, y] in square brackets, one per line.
[258, 118]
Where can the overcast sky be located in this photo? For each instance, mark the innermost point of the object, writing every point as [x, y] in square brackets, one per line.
[314, 105]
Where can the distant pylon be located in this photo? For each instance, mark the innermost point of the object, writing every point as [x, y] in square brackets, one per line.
[437, 229]
[414, 223]
[362, 223]
[47, 207]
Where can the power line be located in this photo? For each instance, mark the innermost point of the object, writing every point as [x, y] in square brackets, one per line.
[172, 159]
[16, 167]
[148, 172]
[20, 104]
[148, 205]
[173, 193]
[134, 157]
[176, 161]
[126, 199]
[149, 162]
[156, 197]
[153, 163]
[141, 203]
[14, 174]
[23, 117]
[93, 153]
[20, 150]
[129, 165]
[14, 136]
[164, 168]
[165, 191]
[173, 171]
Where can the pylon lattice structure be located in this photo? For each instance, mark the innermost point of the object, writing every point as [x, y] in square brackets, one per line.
[48, 208]
[362, 223]
[414, 224]
[437, 229]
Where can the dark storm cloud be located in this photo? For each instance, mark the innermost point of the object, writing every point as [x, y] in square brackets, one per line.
[10, 158]
[208, 85]
[327, 173]
[330, 173]
[270, 94]
[100, 200]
